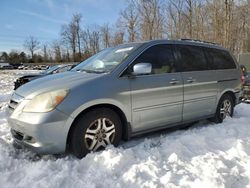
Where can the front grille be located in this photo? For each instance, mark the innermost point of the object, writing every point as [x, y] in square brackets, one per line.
[22, 137]
[17, 135]
[12, 104]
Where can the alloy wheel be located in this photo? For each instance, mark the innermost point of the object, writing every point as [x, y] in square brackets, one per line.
[100, 133]
[226, 109]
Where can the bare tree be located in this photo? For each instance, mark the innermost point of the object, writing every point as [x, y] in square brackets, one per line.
[106, 35]
[76, 21]
[200, 22]
[45, 52]
[4, 56]
[67, 47]
[226, 22]
[94, 41]
[174, 25]
[31, 44]
[151, 19]
[50, 55]
[129, 21]
[71, 35]
[244, 12]
[118, 38]
[189, 15]
[91, 41]
[56, 47]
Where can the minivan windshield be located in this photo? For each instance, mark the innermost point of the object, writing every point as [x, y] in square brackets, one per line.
[107, 59]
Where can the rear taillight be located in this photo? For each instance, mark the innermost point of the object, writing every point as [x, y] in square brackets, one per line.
[242, 79]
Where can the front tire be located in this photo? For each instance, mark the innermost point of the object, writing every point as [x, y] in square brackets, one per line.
[225, 109]
[95, 130]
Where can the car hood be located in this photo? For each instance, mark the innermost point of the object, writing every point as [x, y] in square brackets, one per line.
[65, 80]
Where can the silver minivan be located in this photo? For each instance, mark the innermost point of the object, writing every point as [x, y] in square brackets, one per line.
[122, 92]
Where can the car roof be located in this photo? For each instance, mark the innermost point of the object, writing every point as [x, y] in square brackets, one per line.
[197, 43]
[182, 41]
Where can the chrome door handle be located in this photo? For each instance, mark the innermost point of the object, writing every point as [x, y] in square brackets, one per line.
[174, 81]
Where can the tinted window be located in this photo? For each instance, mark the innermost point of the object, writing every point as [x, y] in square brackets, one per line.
[220, 59]
[160, 56]
[192, 58]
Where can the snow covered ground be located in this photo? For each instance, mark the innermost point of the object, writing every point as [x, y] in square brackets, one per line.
[205, 155]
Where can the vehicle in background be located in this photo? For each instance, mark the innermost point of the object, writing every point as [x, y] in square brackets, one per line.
[245, 77]
[21, 67]
[40, 67]
[125, 91]
[26, 67]
[44, 67]
[52, 70]
[248, 78]
[7, 67]
[246, 89]
[244, 70]
[3, 63]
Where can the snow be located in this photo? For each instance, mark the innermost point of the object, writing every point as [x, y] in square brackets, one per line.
[204, 155]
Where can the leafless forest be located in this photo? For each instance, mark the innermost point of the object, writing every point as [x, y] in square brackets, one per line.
[226, 22]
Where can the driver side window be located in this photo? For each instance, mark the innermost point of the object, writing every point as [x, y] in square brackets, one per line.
[160, 56]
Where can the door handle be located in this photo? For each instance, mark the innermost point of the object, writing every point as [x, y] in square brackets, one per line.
[190, 80]
[174, 81]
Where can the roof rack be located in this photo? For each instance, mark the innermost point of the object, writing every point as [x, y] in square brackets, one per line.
[201, 41]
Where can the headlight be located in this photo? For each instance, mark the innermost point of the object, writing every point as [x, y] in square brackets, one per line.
[45, 102]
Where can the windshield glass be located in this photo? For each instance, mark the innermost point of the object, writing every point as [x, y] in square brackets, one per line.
[106, 60]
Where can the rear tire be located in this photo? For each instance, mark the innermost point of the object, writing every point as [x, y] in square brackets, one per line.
[95, 130]
[224, 109]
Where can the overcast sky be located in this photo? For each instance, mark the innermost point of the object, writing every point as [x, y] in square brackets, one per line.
[44, 18]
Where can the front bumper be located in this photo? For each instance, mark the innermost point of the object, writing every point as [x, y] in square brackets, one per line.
[43, 133]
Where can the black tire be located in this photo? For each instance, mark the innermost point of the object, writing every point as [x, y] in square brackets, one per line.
[218, 118]
[79, 142]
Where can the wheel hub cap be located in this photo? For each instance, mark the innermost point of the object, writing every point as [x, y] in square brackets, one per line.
[226, 109]
[100, 133]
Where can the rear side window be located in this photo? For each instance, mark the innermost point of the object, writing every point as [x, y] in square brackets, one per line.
[220, 59]
[160, 56]
[192, 58]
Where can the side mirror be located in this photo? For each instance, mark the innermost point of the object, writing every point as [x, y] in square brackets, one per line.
[142, 68]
